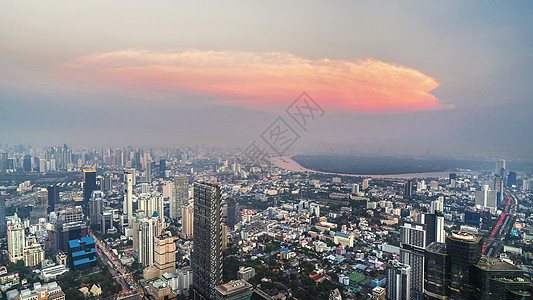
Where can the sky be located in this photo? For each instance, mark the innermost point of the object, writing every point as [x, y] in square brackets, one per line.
[420, 78]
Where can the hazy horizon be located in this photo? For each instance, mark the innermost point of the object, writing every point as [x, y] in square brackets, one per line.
[410, 78]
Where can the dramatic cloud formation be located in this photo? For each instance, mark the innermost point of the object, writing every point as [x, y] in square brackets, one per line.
[262, 81]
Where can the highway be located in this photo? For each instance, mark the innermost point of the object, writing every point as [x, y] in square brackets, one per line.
[494, 244]
[119, 272]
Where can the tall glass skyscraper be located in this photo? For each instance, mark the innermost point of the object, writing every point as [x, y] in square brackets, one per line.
[89, 184]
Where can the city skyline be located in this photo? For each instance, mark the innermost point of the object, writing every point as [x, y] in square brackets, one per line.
[171, 78]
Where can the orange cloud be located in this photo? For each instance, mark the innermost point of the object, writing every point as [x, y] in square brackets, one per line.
[262, 80]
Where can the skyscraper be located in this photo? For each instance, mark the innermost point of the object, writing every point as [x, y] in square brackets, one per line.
[413, 242]
[148, 170]
[53, 197]
[498, 187]
[398, 281]
[486, 198]
[96, 207]
[224, 237]
[457, 270]
[165, 253]
[3, 223]
[436, 271]
[434, 222]
[500, 164]
[408, 189]
[497, 279]
[89, 184]
[127, 204]
[511, 179]
[162, 168]
[3, 161]
[465, 251]
[234, 213]
[148, 229]
[41, 207]
[16, 239]
[26, 163]
[180, 196]
[207, 249]
[187, 217]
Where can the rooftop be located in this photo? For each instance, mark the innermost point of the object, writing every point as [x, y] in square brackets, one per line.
[233, 287]
[437, 247]
[494, 264]
[464, 236]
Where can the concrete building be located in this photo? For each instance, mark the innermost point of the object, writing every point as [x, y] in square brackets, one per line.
[16, 239]
[127, 204]
[187, 218]
[245, 273]
[398, 281]
[207, 240]
[49, 291]
[147, 229]
[234, 290]
[179, 196]
[33, 254]
[413, 243]
[164, 254]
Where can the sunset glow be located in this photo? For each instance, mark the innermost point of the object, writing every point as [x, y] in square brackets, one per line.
[263, 81]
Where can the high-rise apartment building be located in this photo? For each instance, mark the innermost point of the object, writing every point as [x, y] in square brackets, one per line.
[234, 213]
[164, 253]
[127, 204]
[207, 249]
[408, 188]
[187, 218]
[486, 199]
[16, 239]
[96, 207]
[26, 163]
[148, 228]
[224, 236]
[3, 223]
[162, 168]
[364, 185]
[179, 196]
[41, 207]
[413, 242]
[398, 281]
[434, 221]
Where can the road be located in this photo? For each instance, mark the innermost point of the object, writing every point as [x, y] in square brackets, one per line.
[494, 244]
[119, 272]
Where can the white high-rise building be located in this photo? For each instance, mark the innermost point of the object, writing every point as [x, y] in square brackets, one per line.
[147, 229]
[180, 196]
[413, 242]
[355, 189]
[187, 218]
[437, 206]
[486, 198]
[16, 239]
[365, 184]
[314, 209]
[127, 204]
[398, 281]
